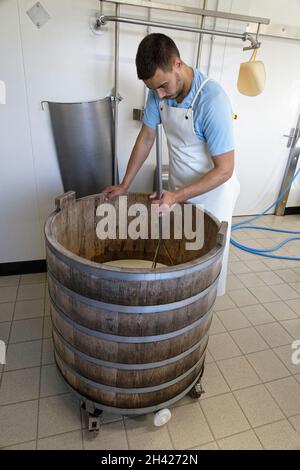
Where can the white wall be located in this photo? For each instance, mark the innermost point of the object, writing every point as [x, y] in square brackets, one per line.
[64, 61]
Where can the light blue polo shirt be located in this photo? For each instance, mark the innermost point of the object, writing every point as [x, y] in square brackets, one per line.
[213, 119]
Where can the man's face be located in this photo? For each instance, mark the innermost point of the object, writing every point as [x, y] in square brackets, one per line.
[167, 85]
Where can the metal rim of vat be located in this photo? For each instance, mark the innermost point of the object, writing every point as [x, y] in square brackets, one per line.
[131, 339]
[134, 309]
[132, 274]
[130, 367]
[129, 411]
[129, 391]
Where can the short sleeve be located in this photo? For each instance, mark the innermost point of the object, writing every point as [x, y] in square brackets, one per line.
[151, 114]
[217, 125]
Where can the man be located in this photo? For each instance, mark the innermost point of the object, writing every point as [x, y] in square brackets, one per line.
[197, 120]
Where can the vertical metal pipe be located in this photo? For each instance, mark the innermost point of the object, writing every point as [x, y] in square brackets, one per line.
[158, 185]
[212, 39]
[200, 42]
[159, 160]
[116, 97]
[148, 31]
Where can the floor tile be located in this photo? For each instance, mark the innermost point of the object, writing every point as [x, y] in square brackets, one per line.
[213, 381]
[238, 373]
[250, 279]
[288, 275]
[267, 365]
[258, 405]
[295, 422]
[293, 327]
[274, 334]
[285, 292]
[256, 265]
[209, 446]
[29, 309]
[223, 303]
[286, 392]
[6, 311]
[264, 294]
[26, 330]
[142, 434]
[112, 436]
[249, 340]
[243, 297]
[31, 445]
[23, 355]
[224, 415]
[47, 327]
[269, 277]
[8, 293]
[285, 354]
[58, 415]
[9, 280]
[244, 441]
[48, 355]
[216, 326]
[239, 267]
[51, 381]
[280, 310]
[31, 291]
[36, 278]
[68, 441]
[4, 331]
[233, 283]
[295, 286]
[294, 305]
[20, 385]
[233, 319]
[257, 314]
[222, 346]
[279, 436]
[188, 427]
[18, 423]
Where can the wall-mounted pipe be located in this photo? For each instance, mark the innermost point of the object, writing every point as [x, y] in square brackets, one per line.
[244, 36]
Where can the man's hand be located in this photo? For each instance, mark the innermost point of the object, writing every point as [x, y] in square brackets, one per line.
[165, 204]
[114, 191]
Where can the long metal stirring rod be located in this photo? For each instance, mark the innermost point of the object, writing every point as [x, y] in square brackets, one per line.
[159, 191]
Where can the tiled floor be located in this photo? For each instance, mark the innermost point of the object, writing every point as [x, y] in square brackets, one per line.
[252, 398]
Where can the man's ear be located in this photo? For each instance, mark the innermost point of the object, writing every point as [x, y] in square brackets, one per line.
[177, 63]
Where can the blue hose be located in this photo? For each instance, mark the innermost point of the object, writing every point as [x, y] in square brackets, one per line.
[265, 252]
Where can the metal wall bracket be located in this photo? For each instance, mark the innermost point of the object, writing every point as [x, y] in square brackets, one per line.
[117, 98]
[138, 114]
[38, 15]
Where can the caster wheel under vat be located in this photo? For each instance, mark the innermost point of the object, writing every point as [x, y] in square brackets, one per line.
[93, 416]
[196, 391]
[162, 417]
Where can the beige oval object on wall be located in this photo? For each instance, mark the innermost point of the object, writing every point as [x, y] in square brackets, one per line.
[252, 77]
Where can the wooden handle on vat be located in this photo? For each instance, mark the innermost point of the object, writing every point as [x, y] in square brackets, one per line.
[66, 199]
[222, 233]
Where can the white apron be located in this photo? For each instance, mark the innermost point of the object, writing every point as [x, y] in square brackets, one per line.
[189, 160]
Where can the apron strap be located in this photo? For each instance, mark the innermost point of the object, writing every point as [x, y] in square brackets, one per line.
[199, 91]
[195, 97]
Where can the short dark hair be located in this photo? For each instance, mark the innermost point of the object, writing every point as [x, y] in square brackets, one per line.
[155, 51]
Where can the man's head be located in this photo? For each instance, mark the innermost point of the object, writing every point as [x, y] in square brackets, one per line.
[159, 65]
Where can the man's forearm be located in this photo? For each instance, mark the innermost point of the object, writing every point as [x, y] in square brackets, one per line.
[207, 182]
[138, 156]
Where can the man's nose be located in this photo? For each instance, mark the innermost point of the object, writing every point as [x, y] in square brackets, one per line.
[161, 94]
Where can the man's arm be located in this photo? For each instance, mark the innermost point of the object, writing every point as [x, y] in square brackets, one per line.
[222, 171]
[139, 154]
